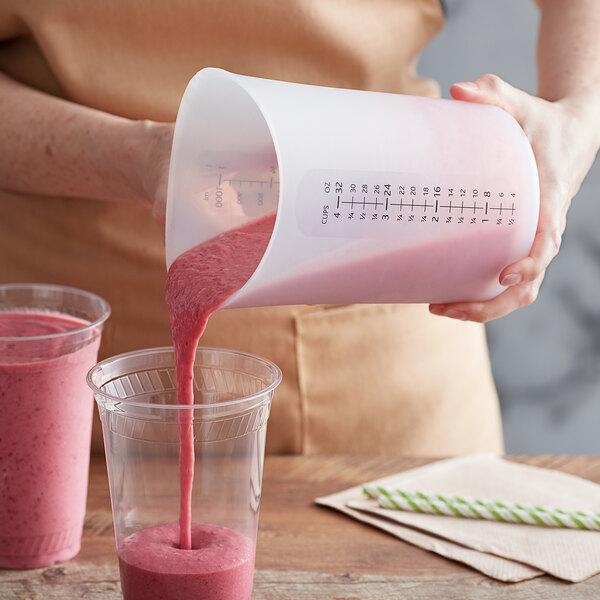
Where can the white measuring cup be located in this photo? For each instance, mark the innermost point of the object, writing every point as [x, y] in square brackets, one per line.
[379, 197]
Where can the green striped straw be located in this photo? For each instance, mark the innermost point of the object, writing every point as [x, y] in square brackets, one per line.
[473, 508]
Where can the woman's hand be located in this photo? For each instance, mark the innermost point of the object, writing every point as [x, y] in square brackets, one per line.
[565, 138]
[155, 171]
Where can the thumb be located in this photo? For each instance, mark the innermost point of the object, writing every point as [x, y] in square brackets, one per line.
[491, 89]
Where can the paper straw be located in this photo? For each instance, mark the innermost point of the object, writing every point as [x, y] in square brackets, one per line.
[473, 508]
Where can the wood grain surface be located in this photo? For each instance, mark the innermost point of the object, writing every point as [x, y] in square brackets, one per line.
[304, 551]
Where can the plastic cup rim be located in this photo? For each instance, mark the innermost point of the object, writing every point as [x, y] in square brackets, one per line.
[106, 310]
[277, 376]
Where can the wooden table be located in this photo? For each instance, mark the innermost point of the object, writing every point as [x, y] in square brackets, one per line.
[307, 552]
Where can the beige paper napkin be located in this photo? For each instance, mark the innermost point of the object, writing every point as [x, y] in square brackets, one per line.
[507, 552]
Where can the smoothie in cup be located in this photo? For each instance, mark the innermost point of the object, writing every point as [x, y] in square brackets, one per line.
[140, 411]
[49, 338]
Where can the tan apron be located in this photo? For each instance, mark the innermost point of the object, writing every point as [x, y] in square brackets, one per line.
[357, 378]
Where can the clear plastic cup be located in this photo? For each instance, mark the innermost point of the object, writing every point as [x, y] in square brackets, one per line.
[137, 400]
[45, 420]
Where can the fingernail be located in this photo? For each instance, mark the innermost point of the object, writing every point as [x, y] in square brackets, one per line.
[511, 279]
[468, 85]
[456, 314]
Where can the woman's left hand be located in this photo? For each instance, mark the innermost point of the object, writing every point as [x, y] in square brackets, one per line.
[564, 137]
[154, 170]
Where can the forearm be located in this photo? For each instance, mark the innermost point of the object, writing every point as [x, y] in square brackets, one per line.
[51, 146]
[569, 55]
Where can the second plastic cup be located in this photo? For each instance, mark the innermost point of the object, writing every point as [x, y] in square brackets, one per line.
[49, 338]
[137, 399]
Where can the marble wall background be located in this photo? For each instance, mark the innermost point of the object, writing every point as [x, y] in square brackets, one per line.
[546, 357]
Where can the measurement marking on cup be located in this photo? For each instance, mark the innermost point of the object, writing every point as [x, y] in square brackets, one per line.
[250, 181]
[501, 208]
[400, 204]
[377, 200]
[364, 203]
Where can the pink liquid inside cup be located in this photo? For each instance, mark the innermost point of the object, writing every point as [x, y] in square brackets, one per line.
[220, 565]
[45, 431]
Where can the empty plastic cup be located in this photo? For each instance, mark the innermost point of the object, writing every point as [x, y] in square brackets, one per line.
[137, 399]
[49, 338]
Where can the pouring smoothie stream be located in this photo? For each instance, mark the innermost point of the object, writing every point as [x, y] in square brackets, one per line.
[198, 283]
[199, 559]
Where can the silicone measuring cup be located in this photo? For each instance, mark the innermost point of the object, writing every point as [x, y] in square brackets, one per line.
[379, 197]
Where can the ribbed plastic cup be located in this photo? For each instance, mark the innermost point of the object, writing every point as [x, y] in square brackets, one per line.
[45, 424]
[137, 398]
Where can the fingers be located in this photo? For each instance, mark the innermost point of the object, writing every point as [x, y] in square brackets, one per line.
[155, 170]
[159, 206]
[545, 248]
[523, 277]
[491, 89]
[546, 243]
[511, 299]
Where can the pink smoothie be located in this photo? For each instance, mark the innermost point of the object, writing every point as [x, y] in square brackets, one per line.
[192, 560]
[45, 431]
[198, 283]
[219, 566]
[458, 270]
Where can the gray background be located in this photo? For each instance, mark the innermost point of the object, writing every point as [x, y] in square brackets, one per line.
[545, 357]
